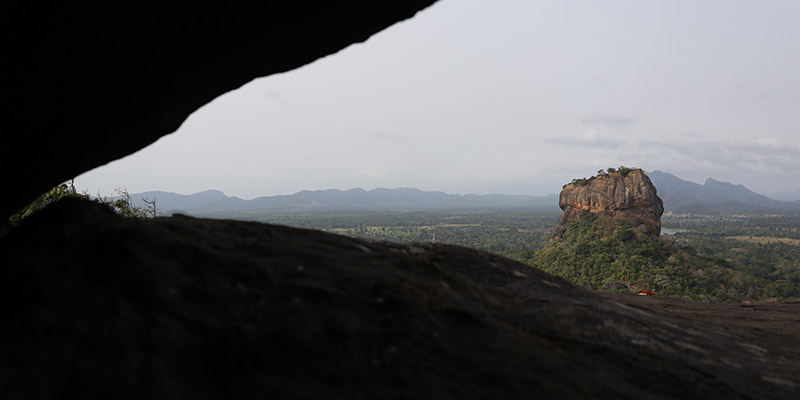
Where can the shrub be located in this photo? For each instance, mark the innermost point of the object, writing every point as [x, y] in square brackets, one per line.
[623, 170]
[123, 205]
[55, 194]
[577, 182]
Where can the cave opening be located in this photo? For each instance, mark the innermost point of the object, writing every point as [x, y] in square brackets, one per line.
[107, 307]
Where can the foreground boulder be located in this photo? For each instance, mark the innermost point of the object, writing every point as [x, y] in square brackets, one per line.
[629, 196]
[97, 306]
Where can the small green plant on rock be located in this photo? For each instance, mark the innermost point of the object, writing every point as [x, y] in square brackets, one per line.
[122, 205]
[66, 189]
[623, 170]
[577, 182]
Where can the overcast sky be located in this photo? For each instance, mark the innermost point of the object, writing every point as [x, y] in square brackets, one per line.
[506, 96]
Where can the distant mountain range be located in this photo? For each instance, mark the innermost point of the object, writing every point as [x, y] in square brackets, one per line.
[214, 202]
[714, 197]
[787, 196]
[680, 196]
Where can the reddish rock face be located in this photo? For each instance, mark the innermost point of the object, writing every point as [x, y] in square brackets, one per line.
[632, 197]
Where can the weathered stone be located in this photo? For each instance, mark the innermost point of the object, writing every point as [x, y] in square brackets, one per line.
[631, 197]
[97, 306]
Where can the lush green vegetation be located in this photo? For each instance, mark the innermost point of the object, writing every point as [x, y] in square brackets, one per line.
[700, 262]
[756, 225]
[602, 254]
[514, 233]
[762, 246]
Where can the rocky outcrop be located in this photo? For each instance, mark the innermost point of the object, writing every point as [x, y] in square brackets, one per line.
[631, 197]
[97, 306]
[83, 85]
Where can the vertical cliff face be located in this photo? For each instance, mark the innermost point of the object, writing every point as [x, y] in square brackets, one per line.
[631, 197]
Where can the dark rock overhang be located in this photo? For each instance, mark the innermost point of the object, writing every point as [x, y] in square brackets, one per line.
[84, 84]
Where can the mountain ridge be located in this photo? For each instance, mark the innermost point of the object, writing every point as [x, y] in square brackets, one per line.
[679, 196]
[713, 196]
[380, 199]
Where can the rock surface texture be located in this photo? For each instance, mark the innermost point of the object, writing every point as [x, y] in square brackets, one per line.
[632, 197]
[97, 306]
[83, 85]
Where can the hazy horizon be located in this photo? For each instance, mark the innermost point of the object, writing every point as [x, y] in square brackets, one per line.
[322, 190]
[556, 193]
[506, 97]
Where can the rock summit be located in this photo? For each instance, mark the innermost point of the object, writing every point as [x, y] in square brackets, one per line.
[626, 194]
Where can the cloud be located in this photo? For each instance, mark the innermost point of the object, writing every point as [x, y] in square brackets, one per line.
[757, 93]
[392, 137]
[588, 138]
[609, 121]
[753, 155]
[372, 173]
[767, 147]
[697, 152]
[277, 97]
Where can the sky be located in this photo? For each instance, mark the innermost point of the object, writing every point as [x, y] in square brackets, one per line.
[509, 97]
